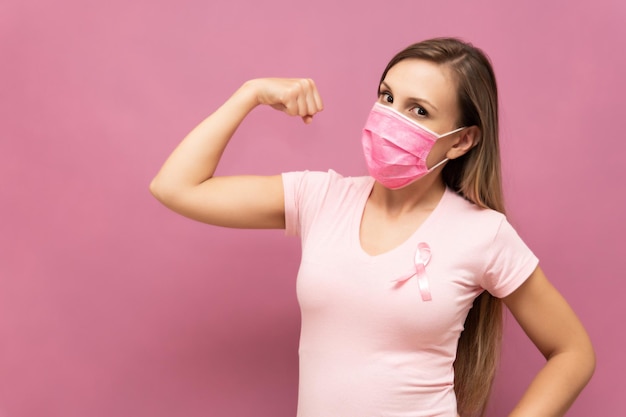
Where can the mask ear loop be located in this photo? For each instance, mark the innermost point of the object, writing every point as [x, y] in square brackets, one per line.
[438, 164]
[422, 257]
[445, 159]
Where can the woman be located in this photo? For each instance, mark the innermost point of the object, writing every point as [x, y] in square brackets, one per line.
[393, 263]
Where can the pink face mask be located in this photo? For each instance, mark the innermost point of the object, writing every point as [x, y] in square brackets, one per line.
[396, 147]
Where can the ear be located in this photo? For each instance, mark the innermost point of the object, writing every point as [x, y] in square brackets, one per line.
[466, 140]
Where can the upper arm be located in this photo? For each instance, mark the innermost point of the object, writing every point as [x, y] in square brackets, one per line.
[546, 317]
[231, 201]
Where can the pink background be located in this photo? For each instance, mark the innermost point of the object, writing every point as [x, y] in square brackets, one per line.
[112, 306]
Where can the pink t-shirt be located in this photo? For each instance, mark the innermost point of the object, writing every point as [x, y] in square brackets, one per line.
[370, 346]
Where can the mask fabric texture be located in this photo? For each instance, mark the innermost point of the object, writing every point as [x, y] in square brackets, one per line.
[396, 147]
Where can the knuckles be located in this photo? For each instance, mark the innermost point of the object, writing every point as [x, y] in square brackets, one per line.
[297, 95]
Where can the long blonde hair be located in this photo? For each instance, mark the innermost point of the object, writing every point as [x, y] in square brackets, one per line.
[476, 176]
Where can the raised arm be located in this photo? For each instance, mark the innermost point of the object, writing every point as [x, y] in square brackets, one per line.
[556, 331]
[186, 183]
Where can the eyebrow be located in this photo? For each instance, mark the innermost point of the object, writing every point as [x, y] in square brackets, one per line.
[414, 99]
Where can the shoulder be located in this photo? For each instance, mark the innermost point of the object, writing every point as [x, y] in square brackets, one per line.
[309, 194]
[323, 182]
[466, 215]
[496, 247]
[330, 176]
[466, 225]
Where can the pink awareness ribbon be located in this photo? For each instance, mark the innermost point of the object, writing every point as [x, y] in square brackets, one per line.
[422, 257]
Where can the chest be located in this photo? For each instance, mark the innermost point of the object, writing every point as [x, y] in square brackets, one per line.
[344, 292]
[380, 233]
[352, 260]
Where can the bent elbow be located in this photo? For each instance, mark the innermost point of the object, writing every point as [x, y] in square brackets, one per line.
[585, 361]
[592, 362]
[159, 190]
[588, 357]
[154, 188]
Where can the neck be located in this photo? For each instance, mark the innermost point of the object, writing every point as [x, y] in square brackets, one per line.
[423, 194]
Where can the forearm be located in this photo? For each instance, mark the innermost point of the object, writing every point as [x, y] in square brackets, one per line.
[197, 156]
[557, 385]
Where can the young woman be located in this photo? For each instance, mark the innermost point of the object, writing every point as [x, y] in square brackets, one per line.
[404, 271]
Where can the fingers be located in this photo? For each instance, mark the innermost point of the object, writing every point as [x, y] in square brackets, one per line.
[294, 96]
[302, 98]
[313, 102]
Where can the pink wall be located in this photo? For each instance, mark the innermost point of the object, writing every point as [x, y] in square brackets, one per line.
[112, 306]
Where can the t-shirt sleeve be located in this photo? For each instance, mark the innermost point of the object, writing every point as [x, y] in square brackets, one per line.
[303, 192]
[510, 262]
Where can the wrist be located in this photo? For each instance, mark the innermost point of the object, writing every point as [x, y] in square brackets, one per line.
[249, 93]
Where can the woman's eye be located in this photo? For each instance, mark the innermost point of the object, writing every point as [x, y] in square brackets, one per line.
[420, 111]
[386, 96]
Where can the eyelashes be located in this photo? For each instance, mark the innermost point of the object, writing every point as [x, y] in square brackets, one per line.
[415, 108]
[386, 96]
